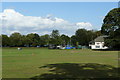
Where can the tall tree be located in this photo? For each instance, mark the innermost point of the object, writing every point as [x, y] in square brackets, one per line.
[111, 27]
[44, 39]
[65, 39]
[81, 35]
[84, 36]
[55, 38]
[55, 34]
[5, 40]
[73, 40]
[91, 35]
[33, 39]
[97, 33]
[0, 40]
[16, 39]
[111, 22]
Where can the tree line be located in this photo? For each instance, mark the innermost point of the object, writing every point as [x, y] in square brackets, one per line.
[81, 37]
[110, 27]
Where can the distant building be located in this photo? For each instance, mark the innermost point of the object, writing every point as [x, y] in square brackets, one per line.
[98, 43]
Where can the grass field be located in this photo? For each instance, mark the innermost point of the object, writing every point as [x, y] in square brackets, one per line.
[45, 63]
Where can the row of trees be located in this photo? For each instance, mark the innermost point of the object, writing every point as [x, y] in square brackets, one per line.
[110, 27]
[81, 37]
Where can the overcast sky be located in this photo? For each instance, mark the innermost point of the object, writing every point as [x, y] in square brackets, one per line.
[42, 18]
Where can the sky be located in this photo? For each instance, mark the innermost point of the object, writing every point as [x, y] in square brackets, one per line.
[43, 17]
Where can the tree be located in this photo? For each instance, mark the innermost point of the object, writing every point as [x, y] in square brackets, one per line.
[97, 33]
[16, 39]
[44, 39]
[83, 36]
[111, 27]
[33, 39]
[36, 40]
[111, 22]
[0, 40]
[91, 35]
[55, 38]
[5, 40]
[24, 40]
[73, 40]
[65, 39]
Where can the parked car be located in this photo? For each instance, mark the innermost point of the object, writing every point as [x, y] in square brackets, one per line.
[52, 47]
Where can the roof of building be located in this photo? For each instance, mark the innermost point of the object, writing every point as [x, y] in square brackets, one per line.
[98, 39]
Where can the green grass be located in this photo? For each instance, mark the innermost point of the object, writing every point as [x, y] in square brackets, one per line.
[26, 63]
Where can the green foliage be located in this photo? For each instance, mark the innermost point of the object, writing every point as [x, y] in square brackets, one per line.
[73, 40]
[81, 36]
[0, 40]
[5, 40]
[16, 39]
[55, 38]
[65, 39]
[33, 39]
[44, 39]
[111, 21]
[84, 36]
[111, 27]
[55, 34]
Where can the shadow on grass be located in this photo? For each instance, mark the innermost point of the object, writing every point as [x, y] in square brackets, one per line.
[106, 50]
[74, 71]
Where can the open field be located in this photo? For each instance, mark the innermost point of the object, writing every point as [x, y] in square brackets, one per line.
[35, 62]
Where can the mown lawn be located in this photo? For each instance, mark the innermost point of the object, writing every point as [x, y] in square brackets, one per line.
[34, 62]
